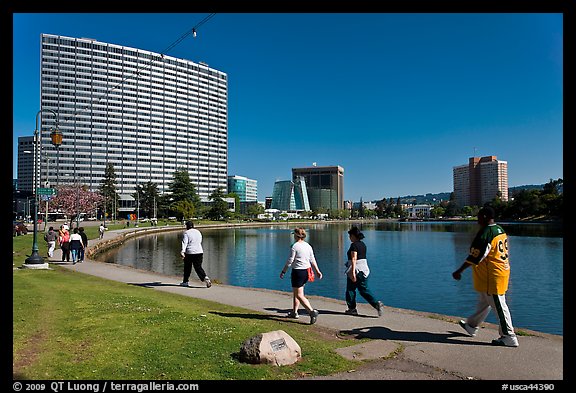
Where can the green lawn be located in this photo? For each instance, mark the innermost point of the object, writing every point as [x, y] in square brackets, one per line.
[68, 325]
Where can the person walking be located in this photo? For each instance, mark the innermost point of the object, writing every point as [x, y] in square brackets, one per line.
[51, 236]
[64, 241]
[84, 242]
[490, 262]
[301, 259]
[75, 245]
[357, 272]
[193, 254]
[101, 230]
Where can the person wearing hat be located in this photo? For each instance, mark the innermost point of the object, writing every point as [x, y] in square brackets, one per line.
[357, 272]
[301, 259]
[490, 263]
[192, 254]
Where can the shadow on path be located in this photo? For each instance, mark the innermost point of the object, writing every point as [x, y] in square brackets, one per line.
[161, 284]
[303, 312]
[384, 333]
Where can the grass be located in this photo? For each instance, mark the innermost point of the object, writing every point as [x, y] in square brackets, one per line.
[72, 326]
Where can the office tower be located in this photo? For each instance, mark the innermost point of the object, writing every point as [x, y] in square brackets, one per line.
[289, 195]
[246, 189]
[324, 184]
[148, 114]
[27, 177]
[480, 181]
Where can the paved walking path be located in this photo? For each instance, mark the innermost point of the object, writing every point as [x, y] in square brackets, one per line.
[431, 346]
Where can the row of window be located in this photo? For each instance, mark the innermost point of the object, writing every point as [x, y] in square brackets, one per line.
[58, 53]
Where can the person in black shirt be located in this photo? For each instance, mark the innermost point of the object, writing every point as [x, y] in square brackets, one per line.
[357, 274]
[85, 241]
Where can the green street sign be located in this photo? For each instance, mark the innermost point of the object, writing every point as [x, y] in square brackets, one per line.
[46, 191]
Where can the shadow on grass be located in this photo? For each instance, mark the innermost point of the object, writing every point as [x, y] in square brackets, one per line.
[161, 284]
[384, 333]
[257, 316]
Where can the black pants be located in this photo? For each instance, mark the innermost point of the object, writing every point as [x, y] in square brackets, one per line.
[196, 261]
[65, 251]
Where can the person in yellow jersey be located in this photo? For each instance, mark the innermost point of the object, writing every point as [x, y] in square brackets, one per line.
[490, 262]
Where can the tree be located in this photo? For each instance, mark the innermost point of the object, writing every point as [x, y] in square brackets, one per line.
[219, 207]
[437, 211]
[74, 200]
[398, 208]
[182, 189]
[184, 209]
[552, 186]
[147, 194]
[108, 189]
[254, 209]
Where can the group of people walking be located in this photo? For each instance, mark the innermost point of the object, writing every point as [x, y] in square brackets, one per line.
[302, 261]
[488, 257]
[73, 245]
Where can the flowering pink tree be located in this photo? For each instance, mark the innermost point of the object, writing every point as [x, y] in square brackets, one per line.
[72, 200]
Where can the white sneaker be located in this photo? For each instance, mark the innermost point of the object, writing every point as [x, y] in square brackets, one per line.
[184, 284]
[469, 329]
[208, 282]
[506, 341]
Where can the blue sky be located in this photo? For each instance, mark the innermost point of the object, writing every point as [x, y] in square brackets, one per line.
[396, 99]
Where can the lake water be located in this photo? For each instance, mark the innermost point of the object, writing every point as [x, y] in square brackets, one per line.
[411, 264]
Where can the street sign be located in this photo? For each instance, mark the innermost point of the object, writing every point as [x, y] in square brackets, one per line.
[46, 191]
[45, 197]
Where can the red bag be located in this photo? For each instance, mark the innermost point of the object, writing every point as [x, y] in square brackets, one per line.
[310, 275]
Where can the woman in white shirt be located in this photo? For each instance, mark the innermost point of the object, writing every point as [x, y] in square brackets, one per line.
[301, 258]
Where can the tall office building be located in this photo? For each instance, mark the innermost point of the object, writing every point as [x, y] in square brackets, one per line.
[27, 177]
[146, 113]
[480, 181]
[246, 189]
[325, 186]
[289, 195]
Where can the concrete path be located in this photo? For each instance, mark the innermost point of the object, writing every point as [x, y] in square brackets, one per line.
[428, 346]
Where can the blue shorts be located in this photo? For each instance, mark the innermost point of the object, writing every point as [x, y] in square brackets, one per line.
[299, 277]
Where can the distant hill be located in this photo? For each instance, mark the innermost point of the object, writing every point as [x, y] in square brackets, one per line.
[418, 199]
[445, 196]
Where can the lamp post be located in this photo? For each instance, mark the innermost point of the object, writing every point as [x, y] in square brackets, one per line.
[137, 206]
[35, 261]
[77, 203]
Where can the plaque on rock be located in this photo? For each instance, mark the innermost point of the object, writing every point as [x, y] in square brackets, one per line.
[276, 347]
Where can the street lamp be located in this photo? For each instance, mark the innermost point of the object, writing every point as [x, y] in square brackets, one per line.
[35, 261]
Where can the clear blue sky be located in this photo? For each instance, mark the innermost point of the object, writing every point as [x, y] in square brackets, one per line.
[398, 100]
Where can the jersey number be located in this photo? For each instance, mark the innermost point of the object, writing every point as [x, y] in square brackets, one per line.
[503, 249]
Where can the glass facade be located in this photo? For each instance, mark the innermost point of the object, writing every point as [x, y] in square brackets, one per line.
[325, 186]
[290, 196]
[246, 189]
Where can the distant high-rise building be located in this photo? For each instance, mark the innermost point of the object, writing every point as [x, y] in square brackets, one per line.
[290, 195]
[480, 181]
[246, 189]
[148, 114]
[325, 186]
[27, 177]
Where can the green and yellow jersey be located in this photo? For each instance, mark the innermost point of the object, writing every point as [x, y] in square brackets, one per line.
[490, 261]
